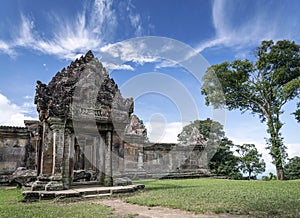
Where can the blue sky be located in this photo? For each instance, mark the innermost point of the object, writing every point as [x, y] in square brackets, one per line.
[39, 38]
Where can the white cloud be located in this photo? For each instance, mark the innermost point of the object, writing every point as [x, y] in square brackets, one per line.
[90, 30]
[6, 48]
[111, 66]
[246, 24]
[164, 52]
[293, 149]
[163, 132]
[127, 51]
[167, 64]
[71, 38]
[135, 20]
[12, 114]
[25, 36]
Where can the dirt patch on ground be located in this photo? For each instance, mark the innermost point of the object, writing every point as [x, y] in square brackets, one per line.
[123, 209]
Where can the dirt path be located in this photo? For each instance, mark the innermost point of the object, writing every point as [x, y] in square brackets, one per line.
[123, 209]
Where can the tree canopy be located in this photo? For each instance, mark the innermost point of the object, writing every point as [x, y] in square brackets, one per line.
[262, 87]
[250, 160]
[220, 150]
[212, 132]
[224, 162]
[292, 168]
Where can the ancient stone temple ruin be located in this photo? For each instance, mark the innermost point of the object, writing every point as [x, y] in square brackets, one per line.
[87, 134]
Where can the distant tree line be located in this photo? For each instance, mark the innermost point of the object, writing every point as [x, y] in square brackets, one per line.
[230, 160]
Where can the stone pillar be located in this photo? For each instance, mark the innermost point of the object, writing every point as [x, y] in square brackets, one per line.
[68, 162]
[101, 161]
[140, 162]
[46, 151]
[170, 161]
[38, 154]
[109, 170]
[97, 155]
[82, 145]
[121, 158]
[58, 129]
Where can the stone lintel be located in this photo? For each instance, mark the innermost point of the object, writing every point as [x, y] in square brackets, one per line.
[134, 139]
[32, 122]
[91, 127]
[56, 123]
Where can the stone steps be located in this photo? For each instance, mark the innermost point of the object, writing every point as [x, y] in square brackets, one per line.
[97, 196]
[84, 192]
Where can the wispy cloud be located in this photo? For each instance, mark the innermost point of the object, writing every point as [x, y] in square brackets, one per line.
[6, 48]
[244, 24]
[135, 51]
[135, 19]
[91, 29]
[166, 64]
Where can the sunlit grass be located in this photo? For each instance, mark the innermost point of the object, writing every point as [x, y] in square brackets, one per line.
[256, 198]
[11, 206]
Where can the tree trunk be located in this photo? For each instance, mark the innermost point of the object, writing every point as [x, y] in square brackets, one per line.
[279, 172]
[276, 148]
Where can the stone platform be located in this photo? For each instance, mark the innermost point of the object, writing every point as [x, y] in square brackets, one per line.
[84, 192]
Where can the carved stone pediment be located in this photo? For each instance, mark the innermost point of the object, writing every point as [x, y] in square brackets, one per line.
[82, 90]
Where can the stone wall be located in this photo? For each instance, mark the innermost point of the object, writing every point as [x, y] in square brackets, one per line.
[13, 143]
[164, 160]
[19, 147]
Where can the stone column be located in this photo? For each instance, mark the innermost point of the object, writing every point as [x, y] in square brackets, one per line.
[101, 160]
[68, 156]
[82, 145]
[122, 157]
[46, 151]
[109, 170]
[38, 153]
[58, 129]
[140, 162]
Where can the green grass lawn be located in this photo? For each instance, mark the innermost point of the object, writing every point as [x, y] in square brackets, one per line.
[256, 198]
[11, 206]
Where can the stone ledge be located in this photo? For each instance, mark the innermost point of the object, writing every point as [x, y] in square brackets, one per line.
[80, 192]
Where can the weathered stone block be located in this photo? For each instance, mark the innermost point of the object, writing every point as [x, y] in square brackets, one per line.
[122, 181]
[54, 186]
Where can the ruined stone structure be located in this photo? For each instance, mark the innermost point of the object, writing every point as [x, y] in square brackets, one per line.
[19, 147]
[87, 134]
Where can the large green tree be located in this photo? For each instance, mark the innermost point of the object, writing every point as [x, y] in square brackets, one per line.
[262, 87]
[250, 160]
[292, 168]
[224, 162]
